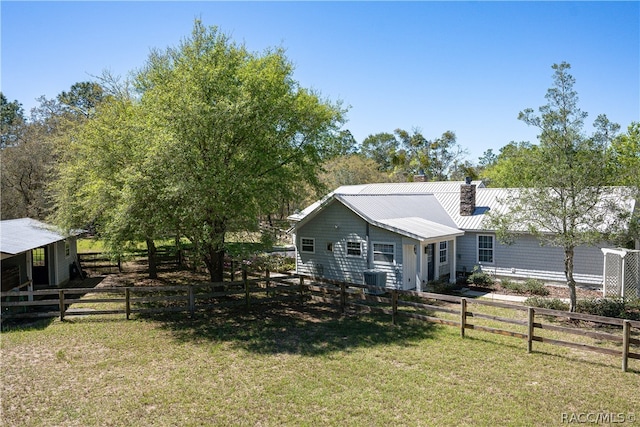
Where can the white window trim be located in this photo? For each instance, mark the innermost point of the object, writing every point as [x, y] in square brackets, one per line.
[346, 248]
[446, 252]
[373, 252]
[313, 240]
[493, 249]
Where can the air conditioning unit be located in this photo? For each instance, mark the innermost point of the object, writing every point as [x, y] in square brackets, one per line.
[375, 278]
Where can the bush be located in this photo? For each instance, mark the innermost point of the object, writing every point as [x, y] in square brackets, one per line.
[536, 287]
[610, 307]
[443, 287]
[480, 278]
[550, 303]
[512, 286]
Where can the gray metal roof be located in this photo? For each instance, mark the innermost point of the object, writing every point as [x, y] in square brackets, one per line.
[387, 206]
[24, 234]
[419, 228]
[439, 202]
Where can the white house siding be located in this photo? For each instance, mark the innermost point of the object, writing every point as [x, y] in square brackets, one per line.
[64, 261]
[527, 254]
[336, 225]
[394, 270]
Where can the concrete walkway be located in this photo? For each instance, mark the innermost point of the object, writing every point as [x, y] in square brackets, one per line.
[494, 296]
[500, 297]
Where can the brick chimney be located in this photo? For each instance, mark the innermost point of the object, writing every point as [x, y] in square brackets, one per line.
[419, 178]
[467, 198]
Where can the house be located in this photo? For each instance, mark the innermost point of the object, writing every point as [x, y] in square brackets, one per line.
[34, 255]
[403, 235]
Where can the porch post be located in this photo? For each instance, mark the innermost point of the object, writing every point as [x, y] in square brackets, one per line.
[454, 258]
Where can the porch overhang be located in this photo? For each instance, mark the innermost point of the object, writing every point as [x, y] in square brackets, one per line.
[419, 229]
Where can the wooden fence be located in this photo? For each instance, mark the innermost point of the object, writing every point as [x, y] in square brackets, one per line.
[102, 262]
[620, 339]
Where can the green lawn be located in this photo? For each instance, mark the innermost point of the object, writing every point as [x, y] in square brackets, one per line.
[279, 367]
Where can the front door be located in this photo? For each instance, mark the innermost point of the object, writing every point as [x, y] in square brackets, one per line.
[430, 250]
[40, 266]
[409, 266]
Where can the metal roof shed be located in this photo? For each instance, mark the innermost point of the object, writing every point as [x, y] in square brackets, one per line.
[33, 252]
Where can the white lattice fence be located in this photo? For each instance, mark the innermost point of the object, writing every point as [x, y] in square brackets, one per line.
[621, 273]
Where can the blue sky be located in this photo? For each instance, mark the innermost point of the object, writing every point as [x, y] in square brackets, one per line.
[469, 67]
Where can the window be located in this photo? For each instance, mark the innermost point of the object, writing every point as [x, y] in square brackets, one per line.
[67, 248]
[383, 252]
[354, 249]
[330, 247]
[38, 257]
[307, 245]
[443, 252]
[485, 249]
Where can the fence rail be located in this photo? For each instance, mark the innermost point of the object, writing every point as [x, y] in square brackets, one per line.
[460, 312]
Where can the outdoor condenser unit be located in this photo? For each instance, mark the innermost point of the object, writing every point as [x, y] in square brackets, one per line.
[375, 278]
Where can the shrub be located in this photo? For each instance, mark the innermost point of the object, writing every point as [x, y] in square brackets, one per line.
[536, 287]
[610, 307]
[513, 286]
[550, 303]
[480, 278]
[443, 287]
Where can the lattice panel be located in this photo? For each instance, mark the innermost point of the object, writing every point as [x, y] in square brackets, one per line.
[622, 274]
[612, 275]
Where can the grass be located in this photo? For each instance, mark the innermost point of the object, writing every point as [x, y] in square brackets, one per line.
[277, 366]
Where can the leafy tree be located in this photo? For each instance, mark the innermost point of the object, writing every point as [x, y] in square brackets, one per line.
[567, 204]
[513, 166]
[82, 98]
[381, 148]
[11, 119]
[625, 151]
[238, 132]
[352, 169]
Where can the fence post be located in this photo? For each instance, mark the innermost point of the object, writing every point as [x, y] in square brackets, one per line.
[127, 302]
[530, 328]
[192, 302]
[233, 270]
[245, 281]
[626, 335]
[301, 290]
[343, 297]
[267, 275]
[61, 299]
[394, 306]
[463, 316]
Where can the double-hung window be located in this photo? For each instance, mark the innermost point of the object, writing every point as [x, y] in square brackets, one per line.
[485, 249]
[384, 252]
[307, 245]
[354, 248]
[443, 252]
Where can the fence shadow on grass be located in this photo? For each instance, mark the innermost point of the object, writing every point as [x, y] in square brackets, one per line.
[313, 330]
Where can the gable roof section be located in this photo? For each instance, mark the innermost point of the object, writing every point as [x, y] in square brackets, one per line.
[24, 234]
[436, 202]
[395, 188]
[404, 214]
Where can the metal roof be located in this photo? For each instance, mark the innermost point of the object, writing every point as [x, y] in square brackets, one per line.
[439, 202]
[420, 228]
[387, 206]
[24, 234]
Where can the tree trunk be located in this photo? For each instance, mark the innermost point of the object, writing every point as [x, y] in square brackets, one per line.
[153, 259]
[214, 253]
[568, 272]
[214, 259]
